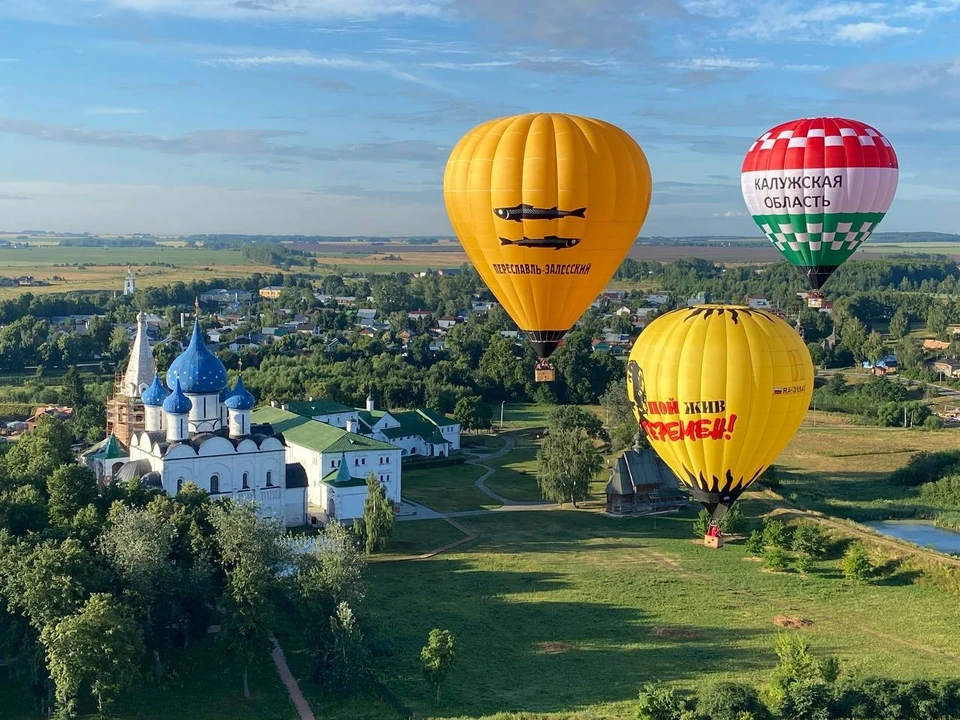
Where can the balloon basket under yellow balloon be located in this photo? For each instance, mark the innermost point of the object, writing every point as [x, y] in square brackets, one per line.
[713, 541]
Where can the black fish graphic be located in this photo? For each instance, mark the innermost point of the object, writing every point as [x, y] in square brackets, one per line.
[518, 213]
[550, 241]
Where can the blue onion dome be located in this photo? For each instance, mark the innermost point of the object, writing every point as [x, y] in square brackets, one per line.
[177, 403]
[240, 398]
[200, 371]
[155, 394]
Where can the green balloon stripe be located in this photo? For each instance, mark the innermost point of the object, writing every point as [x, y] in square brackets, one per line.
[818, 240]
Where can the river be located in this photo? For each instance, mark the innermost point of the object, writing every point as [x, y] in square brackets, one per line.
[919, 532]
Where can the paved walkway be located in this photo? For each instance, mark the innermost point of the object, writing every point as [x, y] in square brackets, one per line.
[290, 682]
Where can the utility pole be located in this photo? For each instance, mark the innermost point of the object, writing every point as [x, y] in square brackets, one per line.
[502, 403]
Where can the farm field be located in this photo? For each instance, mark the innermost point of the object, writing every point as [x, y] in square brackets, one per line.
[105, 268]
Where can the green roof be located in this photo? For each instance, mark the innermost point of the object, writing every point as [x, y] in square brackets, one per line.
[107, 449]
[371, 417]
[341, 477]
[313, 434]
[313, 408]
[437, 418]
[414, 424]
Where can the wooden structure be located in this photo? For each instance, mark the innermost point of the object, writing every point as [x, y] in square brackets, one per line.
[641, 483]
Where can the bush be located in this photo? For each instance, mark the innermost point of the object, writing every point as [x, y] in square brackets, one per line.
[856, 565]
[809, 539]
[733, 522]
[804, 563]
[732, 701]
[807, 699]
[775, 534]
[657, 702]
[702, 523]
[774, 558]
[755, 543]
[933, 422]
[926, 467]
[945, 491]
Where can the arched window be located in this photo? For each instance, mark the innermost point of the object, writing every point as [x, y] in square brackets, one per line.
[269, 479]
[246, 481]
[214, 484]
[179, 484]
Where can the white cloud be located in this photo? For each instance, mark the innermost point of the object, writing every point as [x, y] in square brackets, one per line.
[232, 10]
[730, 214]
[304, 59]
[113, 111]
[719, 63]
[185, 209]
[869, 31]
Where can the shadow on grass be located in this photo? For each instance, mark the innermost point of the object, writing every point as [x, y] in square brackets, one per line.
[525, 646]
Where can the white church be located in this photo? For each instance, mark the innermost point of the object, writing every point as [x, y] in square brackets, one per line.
[197, 429]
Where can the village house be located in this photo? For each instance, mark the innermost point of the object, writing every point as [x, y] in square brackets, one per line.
[758, 302]
[272, 292]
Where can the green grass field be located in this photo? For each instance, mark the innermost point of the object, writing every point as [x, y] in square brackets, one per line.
[446, 489]
[515, 475]
[565, 611]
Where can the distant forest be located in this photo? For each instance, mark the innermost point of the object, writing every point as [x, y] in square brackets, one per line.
[229, 241]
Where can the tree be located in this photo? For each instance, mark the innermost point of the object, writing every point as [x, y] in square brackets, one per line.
[252, 555]
[73, 392]
[775, 533]
[138, 544]
[566, 463]
[854, 336]
[857, 567]
[378, 516]
[809, 539]
[100, 647]
[657, 702]
[618, 415]
[37, 453]
[873, 347]
[755, 543]
[472, 413]
[329, 582]
[774, 558]
[70, 488]
[348, 659]
[22, 510]
[733, 521]
[732, 701]
[937, 320]
[572, 417]
[899, 323]
[438, 657]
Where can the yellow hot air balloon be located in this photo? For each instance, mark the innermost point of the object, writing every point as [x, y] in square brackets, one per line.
[719, 390]
[546, 207]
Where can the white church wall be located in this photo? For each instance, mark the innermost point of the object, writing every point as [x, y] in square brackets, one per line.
[309, 459]
[337, 419]
[348, 502]
[294, 506]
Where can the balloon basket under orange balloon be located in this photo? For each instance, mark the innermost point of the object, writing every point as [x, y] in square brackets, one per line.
[713, 541]
[544, 375]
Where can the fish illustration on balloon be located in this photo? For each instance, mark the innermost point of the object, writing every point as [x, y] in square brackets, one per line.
[519, 213]
[550, 242]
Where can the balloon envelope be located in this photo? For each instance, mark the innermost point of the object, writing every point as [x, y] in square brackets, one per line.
[818, 187]
[719, 391]
[546, 207]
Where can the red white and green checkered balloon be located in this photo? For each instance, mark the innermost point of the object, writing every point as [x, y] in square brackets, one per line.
[818, 187]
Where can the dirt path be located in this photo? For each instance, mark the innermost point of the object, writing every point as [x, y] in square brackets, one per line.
[509, 443]
[290, 682]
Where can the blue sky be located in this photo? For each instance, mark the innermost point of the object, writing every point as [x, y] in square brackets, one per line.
[336, 117]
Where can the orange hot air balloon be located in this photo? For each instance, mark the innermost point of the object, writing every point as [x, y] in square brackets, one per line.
[546, 206]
